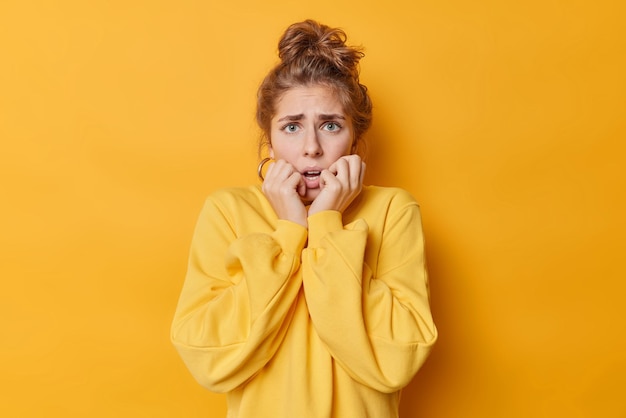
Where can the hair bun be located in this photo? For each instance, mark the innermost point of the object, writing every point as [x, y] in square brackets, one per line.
[312, 41]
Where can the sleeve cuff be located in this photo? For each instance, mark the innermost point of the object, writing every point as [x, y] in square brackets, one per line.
[321, 224]
[290, 236]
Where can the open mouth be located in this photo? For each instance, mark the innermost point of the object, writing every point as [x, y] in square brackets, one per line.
[311, 175]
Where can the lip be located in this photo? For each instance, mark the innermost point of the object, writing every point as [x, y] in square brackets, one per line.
[311, 169]
[311, 176]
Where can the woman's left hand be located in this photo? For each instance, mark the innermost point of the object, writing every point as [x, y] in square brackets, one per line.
[340, 184]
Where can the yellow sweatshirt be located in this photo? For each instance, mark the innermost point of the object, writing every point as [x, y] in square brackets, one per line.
[327, 322]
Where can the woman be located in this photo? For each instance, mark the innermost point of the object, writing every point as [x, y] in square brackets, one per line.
[307, 296]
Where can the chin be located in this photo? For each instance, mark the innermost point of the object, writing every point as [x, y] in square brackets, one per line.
[309, 197]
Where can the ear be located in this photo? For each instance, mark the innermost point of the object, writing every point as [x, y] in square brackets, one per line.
[271, 151]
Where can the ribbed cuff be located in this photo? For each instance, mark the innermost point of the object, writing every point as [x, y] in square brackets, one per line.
[321, 224]
[290, 236]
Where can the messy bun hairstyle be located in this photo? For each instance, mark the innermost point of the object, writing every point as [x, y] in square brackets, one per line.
[315, 54]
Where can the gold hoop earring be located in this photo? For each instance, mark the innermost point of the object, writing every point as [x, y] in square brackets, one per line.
[259, 170]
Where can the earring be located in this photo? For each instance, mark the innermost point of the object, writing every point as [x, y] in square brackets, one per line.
[259, 170]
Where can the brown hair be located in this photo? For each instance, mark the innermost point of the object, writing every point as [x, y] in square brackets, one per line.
[315, 54]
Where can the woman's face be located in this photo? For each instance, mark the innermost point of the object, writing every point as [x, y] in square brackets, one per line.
[310, 130]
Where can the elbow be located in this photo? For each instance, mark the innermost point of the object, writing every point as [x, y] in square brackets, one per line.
[212, 382]
[214, 368]
[424, 348]
[201, 363]
[402, 363]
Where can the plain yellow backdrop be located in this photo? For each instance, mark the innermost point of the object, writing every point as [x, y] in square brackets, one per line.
[505, 119]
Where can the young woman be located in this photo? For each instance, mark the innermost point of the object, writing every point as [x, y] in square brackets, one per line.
[307, 296]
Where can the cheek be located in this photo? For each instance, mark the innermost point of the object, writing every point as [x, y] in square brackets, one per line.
[346, 148]
[280, 150]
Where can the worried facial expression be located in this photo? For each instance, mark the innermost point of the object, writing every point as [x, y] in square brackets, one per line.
[310, 130]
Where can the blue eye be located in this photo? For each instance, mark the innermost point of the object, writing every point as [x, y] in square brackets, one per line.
[332, 126]
[290, 128]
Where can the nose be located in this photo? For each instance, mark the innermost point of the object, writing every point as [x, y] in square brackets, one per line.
[312, 146]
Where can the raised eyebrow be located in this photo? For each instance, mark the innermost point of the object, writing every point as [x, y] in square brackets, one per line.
[292, 118]
[332, 116]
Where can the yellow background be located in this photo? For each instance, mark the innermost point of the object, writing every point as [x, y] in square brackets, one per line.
[505, 119]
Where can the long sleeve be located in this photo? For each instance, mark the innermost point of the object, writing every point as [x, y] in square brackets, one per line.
[375, 321]
[238, 297]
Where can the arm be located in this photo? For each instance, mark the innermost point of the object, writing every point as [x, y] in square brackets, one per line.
[237, 299]
[376, 325]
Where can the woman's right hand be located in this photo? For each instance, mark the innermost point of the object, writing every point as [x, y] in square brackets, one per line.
[283, 187]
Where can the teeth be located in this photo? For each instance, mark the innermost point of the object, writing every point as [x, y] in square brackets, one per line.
[311, 173]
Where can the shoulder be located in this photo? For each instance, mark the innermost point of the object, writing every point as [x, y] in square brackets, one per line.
[378, 205]
[387, 196]
[237, 199]
[236, 194]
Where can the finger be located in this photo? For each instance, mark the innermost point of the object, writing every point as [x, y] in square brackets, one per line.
[355, 168]
[301, 189]
[362, 174]
[294, 181]
[281, 170]
[301, 186]
[341, 170]
[333, 168]
[327, 178]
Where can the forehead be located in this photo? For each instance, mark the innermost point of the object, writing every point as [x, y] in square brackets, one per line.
[308, 100]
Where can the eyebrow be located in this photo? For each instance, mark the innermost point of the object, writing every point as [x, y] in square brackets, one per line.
[294, 118]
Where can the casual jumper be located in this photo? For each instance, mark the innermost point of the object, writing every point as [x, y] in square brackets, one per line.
[332, 321]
